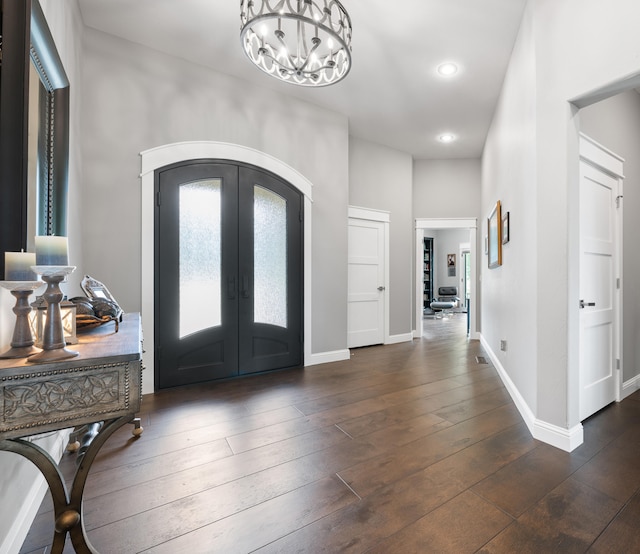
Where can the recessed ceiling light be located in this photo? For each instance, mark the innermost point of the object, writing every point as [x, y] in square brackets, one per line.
[447, 137]
[447, 69]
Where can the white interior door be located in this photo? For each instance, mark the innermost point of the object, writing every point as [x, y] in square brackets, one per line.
[598, 293]
[366, 286]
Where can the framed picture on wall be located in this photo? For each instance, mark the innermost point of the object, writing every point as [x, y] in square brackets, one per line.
[451, 265]
[494, 233]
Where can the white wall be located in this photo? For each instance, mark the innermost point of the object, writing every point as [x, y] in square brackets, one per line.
[564, 50]
[615, 123]
[446, 188]
[22, 488]
[135, 98]
[509, 308]
[381, 178]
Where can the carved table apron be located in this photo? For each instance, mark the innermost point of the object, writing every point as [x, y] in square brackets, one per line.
[102, 384]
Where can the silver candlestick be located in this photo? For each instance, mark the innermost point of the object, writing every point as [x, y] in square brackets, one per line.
[53, 343]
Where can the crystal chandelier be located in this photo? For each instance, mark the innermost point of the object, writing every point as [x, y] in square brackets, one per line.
[306, 42]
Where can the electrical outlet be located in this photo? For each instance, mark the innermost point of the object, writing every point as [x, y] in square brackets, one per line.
[503, 345]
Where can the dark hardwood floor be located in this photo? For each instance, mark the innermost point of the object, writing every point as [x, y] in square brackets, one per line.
[407, 448]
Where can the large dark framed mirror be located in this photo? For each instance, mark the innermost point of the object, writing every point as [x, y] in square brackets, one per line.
[34, 129]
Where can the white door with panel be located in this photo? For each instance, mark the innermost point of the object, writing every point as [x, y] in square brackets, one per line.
[600, 194]
[366, 283]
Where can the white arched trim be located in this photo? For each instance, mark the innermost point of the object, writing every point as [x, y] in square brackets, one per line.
[158, 157]
[161, 156]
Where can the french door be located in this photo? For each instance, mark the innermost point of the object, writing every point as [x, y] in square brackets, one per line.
[228, 272]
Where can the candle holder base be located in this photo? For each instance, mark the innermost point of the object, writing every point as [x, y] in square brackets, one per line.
[19, 352]
[55, 355]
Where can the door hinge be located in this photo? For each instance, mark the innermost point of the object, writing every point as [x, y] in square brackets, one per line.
[158, 199]
[301, 216]
[617, 363]
[618, 198]
[618, 283]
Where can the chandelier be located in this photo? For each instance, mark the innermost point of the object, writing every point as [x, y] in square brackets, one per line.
[305, 42]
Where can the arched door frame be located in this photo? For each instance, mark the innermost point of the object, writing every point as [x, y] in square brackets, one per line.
[161, 156]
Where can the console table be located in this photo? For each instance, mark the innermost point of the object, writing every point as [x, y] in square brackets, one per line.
[102, 384]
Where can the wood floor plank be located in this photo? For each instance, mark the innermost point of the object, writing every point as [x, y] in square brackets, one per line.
[615, 471]
[391, 508]
[176, 486]
[371, 475]
[266, 522]
[410, 408]
[201, 510]
[117, 450]
[568, 519]
[622, 533]
[462, 525]
[521, 484]
[151, 469]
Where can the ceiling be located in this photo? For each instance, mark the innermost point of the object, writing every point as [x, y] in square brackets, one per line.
[393, 94]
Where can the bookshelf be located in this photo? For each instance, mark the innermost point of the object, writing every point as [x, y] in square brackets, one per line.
[428, 272]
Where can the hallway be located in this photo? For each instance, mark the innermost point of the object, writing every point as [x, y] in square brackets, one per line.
[413, 447]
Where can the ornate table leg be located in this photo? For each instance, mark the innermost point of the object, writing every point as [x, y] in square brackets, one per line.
[67, 507]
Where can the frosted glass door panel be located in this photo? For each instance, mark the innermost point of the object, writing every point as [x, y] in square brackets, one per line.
[199, 244]
[270, 257]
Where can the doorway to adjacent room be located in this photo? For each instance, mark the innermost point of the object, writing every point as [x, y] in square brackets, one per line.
[421, 226]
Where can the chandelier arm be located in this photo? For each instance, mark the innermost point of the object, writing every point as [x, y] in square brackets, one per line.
[308, 58]
[287, 54]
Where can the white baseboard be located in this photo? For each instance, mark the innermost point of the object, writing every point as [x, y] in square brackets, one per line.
[27, 506]
[328, 357]
[564, 439]
[395, 339]
[630, 386]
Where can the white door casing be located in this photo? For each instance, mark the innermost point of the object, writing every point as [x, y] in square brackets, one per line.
[161, 156]
[367, 277]
[600, 307]
[445, 223]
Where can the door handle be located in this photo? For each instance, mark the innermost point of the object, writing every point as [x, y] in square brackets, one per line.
[584, 304]
[231, 288]
[245, 286]
[381, 288]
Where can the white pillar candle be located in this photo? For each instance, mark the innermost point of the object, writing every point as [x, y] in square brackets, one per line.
[17, 266]
[52, 250]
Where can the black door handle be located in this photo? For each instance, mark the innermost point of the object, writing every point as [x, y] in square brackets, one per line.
[231, 288]
[245, 286]
[584, 304]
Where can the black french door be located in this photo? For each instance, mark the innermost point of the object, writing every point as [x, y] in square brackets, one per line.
[229, 272]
